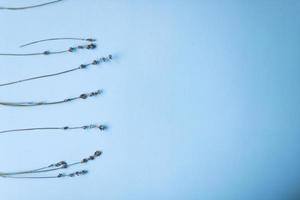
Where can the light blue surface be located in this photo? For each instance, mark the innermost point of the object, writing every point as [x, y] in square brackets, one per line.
[202, 99]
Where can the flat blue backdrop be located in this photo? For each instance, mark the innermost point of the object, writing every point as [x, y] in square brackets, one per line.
[202, 99]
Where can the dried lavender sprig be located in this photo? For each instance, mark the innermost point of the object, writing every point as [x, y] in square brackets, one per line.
[61, 175]
[28, 7]
[56, 166]
[82, 66]
[86, 127]
[71, 49]
[53, 167]
[52, 39]
[26, 104]
[64, 165]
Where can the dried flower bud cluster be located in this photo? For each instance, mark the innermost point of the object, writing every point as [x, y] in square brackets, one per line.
[77, 173]
[86, 95]
[97, 62]
[62, 164]
[103, 59]
[96, 154]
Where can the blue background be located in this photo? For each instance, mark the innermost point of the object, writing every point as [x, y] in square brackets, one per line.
[202, 99]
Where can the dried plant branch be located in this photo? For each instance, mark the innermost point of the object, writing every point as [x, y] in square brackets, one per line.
[82, 66]
[86, 127]
[30, 174]
[40, 103]
[46, 53]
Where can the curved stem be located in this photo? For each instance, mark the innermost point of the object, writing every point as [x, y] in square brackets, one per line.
[91, 126]
[71, 49]
[39, 77]
[82, 66]
[28, 7]
[52, 39]
[28, 104]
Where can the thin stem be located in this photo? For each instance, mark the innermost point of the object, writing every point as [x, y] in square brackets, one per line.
[28, 104]
[39, 77]
[28, 7]
[31, 129]
[77, 173]
[44, 169]
[29, 177]
[71, 49]
[52, 39]
[86, 127]
[82, 66]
